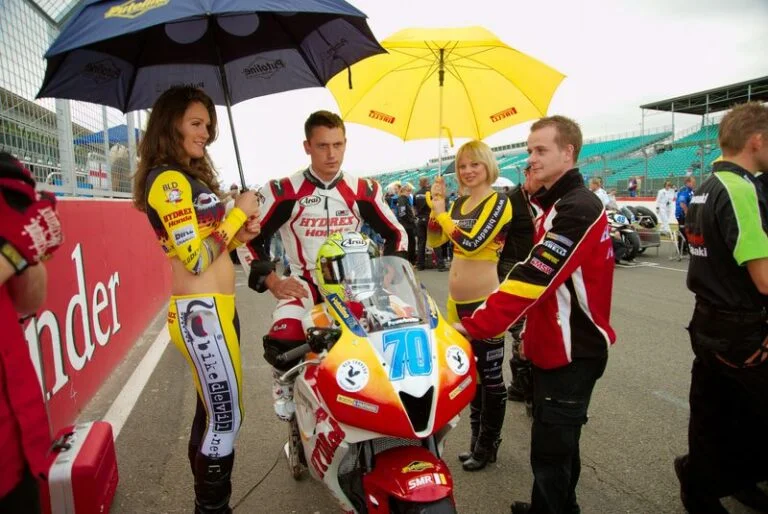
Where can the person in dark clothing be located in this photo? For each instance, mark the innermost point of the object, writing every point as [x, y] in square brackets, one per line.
[726, 223]
[516, 249]
[405, 216]
[422, 210]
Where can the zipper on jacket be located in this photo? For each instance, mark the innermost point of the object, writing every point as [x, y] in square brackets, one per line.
[327, 219]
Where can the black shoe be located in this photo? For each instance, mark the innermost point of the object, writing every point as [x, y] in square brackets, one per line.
[464, 456]
[520, 507]
[696, 504]
[514, 394]
[481, 456]
[753, 497]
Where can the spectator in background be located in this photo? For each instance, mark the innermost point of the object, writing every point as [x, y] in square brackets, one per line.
[726, 225]
[24, 428]
[422, 210]
[596, 186]
[665, 199]
[632, 186]
[682, 202]
[404, 213]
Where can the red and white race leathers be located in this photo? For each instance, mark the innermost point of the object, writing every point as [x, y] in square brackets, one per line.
[305, 210]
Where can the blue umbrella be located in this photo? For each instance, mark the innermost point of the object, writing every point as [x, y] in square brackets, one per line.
[124, 54]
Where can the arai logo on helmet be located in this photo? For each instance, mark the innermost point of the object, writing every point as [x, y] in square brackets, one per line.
[354, 243]
[309, 201]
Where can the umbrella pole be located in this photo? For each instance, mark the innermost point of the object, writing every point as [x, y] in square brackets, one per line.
[441, 76]
[228, 102]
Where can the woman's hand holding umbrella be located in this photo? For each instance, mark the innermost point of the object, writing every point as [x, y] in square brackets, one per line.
[438, 196]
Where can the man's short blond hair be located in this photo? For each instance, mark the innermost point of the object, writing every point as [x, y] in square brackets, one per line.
[567, 132]
[480, 152]
[741, 123]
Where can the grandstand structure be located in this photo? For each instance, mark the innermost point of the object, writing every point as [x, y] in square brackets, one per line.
[654, 156]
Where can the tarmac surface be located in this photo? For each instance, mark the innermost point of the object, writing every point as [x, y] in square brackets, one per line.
[638, 417]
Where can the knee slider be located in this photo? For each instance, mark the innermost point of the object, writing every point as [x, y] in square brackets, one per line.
[274, 347]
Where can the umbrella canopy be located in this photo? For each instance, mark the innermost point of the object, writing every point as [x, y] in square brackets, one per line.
[461, 82]
[117, 135]
[124, 54]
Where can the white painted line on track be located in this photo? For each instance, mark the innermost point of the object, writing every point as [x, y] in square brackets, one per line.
[674, 400]
[123, 405]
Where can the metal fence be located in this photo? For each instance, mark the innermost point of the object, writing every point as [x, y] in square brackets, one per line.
[73, 148]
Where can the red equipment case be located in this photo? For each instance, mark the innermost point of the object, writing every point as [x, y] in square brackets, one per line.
[83, 475]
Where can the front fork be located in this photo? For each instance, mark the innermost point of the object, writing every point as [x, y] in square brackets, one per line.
[294, 451]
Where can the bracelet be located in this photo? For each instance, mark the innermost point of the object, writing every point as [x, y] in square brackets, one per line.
[13, 256]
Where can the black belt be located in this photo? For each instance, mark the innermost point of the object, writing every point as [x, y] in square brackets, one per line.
[729, 316]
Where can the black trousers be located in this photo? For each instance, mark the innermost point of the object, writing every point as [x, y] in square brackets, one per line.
[560, 401]
[411, 231]
[729, 408]
[683, 239]
[24, 498]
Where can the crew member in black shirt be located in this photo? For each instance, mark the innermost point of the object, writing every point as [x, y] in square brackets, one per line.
[726, 226]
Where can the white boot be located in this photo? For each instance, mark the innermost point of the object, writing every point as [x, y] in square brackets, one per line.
[282, 394]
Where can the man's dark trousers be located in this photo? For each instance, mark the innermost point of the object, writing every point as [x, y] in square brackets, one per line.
[421, 249]
[560, 401]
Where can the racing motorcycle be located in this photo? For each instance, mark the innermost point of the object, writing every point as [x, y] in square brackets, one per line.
[626, 244]
[382, 382]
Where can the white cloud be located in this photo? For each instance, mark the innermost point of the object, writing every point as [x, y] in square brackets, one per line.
[616, 55]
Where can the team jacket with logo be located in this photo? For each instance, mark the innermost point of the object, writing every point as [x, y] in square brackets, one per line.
[563, 287]
[305, 211]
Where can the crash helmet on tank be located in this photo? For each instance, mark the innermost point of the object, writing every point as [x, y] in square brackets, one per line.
[345, 264]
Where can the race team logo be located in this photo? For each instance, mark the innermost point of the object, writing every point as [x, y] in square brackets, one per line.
[262, 68]
[352, 375]
[309, 201]
[102, 71]
[417, 466]
[134, 8]
[457, 360]
[172, 192]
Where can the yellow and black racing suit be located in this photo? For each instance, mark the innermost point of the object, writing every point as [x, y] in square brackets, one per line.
[478, 234]
[191, 225]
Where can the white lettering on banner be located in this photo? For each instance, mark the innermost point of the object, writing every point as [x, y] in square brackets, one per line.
[99, 300]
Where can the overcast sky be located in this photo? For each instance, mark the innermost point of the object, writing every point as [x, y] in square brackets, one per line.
[614, 58]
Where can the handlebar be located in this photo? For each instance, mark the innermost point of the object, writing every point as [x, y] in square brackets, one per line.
[293, 354]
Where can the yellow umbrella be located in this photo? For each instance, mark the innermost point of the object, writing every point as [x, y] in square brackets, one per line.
[461, 82]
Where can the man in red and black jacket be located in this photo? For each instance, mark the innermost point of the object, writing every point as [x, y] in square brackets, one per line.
[564, 288]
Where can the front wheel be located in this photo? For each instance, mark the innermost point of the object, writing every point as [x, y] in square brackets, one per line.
[443, 506]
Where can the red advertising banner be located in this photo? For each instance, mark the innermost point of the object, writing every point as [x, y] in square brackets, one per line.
[105, 284]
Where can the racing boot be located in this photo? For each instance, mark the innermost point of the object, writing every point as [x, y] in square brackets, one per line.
[475, 408]
[519, 389]
[282, 394]
[492, 419]
[213, 484]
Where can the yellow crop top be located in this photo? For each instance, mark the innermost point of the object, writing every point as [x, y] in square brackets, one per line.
[477, 234]
[188, 218]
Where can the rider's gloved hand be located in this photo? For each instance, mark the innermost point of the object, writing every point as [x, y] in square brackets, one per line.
[30, 231]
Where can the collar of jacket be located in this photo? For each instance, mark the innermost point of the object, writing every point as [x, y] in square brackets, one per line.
[572, 179]
[732, 167]
[312, 179]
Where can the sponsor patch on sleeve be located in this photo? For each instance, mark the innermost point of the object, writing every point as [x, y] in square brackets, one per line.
[562, 239]
[183, 234]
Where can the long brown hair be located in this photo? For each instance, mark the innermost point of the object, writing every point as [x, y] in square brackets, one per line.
[162, 141]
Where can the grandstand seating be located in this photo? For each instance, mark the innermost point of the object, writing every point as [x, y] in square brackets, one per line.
[616, 160]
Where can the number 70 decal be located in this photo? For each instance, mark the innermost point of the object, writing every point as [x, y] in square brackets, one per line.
[411, 352]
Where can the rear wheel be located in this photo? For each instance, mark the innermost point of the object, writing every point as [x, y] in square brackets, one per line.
[444, 506]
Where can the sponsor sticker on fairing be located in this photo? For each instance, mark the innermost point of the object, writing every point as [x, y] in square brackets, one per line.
[352, 375]
[183, 234]
[457, 360]
[358, 404]
[459, 388]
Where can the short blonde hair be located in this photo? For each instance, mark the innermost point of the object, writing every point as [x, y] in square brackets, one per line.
[480, 152]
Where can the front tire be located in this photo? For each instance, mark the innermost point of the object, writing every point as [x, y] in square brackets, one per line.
[297, 463]
[443, 506]
[632, 244]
